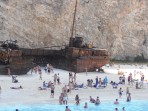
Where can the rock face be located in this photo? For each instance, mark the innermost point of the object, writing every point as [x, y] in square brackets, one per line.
[121, 26]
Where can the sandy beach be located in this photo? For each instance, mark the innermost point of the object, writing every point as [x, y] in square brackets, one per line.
[31, 95]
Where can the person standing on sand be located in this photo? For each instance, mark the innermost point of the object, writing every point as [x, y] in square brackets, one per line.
[120, 92]
[127, 91]
[70, 77]
[55, 78]
[52, 90]
[105, 80]
[70, 87]
[0, 90]
[61, 99]
[65, 98]
[74, 78]
[86, 71]
[9, 72]
[97, 81]
[128, 79]
[58, 80]
[40, 73]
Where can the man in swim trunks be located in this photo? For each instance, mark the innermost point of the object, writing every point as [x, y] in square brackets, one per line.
[52, 90]
[65, 98]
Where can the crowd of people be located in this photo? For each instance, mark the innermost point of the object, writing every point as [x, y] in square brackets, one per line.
[97, 82]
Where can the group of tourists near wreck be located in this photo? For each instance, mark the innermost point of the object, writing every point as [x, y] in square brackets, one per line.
[72, 85]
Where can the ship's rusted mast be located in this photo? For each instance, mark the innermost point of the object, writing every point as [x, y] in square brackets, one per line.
[73, 24]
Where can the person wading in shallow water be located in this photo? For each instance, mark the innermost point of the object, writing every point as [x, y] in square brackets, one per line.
[116, 109]
[67, 109]
[77, 99]
[85, 106]
[129, 97]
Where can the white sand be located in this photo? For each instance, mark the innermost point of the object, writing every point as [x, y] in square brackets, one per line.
[30, 93]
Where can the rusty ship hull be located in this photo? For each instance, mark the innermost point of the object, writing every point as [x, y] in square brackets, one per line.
[71, 59]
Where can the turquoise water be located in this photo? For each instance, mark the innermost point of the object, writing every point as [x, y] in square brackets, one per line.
[104, 106]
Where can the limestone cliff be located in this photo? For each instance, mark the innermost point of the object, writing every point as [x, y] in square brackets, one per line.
[121, 26]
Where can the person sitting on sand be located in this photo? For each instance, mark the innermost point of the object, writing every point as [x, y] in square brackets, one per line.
[50, 84]
[115, 85]
[42, 88]
[81, 86]
[92, 100]
[100, 87]
[116, 102]
[121, 80]
[89, 82]
[14, 80]
[45, 84]
[20, 87]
